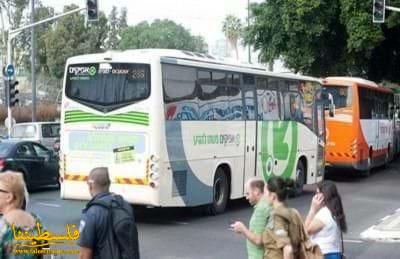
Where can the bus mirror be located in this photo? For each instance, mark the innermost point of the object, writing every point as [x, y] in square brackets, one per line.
[331, 105]
[331, 110]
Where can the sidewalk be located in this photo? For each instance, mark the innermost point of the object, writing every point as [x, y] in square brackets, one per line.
[387, 230]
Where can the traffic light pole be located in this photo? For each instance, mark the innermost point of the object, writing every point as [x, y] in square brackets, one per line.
[11, 35]
[391, 8]
[8, 108]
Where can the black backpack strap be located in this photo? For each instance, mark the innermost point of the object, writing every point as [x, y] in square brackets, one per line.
[108, 206]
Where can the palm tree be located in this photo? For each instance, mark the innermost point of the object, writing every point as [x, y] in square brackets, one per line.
[232, 28]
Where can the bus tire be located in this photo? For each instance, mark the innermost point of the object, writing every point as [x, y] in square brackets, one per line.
[300, 178]
[388, 156]
[220, 193]
[366, 173]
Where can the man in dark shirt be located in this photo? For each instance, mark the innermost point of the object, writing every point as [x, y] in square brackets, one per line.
[95, 239]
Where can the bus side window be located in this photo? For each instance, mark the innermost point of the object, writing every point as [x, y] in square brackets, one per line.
[249, 98]
[180, 97]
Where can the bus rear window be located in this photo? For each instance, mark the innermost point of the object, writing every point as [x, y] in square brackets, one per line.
[108, 84]
[342, 96]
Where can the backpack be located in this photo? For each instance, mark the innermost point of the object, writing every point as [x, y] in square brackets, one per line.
[302, 245]
[123, 236]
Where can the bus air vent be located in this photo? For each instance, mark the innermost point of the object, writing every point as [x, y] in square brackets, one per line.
[179, 183]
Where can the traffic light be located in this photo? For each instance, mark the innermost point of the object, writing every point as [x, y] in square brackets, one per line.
[378, 11]
[92, 10]
[13, 92]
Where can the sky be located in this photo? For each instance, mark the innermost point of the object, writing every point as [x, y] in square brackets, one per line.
[201, 17]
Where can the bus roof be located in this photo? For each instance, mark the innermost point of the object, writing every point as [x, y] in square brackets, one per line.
[183, 57]
[349, 81]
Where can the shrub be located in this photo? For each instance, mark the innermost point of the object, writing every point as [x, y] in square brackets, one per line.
[44, 112]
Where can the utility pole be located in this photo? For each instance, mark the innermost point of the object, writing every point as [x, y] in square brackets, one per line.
[33, 70]
[248, 24]
[3, 34]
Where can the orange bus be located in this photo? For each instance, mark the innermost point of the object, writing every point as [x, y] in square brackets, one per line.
[359, 133]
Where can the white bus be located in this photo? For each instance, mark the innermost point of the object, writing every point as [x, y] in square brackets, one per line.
[177, 128]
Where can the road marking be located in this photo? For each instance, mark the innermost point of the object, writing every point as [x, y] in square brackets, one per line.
[385, 230]
[353, 241]
[49, 204]
[174, 222]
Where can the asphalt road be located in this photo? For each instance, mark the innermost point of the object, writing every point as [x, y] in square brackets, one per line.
[186, 233]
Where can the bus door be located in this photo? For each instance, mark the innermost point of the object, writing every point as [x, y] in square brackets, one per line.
[250, 111]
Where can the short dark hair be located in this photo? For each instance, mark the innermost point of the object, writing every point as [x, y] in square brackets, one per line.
[100, 177]
[257, 184]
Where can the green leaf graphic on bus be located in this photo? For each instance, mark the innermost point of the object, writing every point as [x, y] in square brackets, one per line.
[92, 71]
[278, 143]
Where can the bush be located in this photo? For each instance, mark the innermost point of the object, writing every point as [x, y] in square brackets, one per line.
[44, 112]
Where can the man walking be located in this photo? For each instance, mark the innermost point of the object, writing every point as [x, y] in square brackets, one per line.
[107, 228]
[259, 218]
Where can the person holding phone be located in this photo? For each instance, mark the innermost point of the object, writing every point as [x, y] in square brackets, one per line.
[326, 220]
[259, 218]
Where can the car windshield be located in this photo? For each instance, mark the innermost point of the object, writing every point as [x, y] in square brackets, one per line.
[24, 131]
[5, 148]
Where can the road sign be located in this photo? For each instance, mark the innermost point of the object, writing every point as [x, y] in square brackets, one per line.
[10, 70]
[6, 122]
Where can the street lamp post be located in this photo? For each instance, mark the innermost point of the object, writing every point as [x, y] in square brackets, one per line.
[33, 70]
[248, 24]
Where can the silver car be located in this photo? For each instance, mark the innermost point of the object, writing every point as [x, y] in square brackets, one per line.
[45, 133]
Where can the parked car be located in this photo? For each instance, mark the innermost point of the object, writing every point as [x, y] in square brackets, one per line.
[38, 164]
[44, 133]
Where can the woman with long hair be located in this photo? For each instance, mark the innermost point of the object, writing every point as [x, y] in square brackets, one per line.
[326, 220]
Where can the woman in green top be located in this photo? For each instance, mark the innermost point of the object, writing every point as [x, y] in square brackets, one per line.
[15, 223]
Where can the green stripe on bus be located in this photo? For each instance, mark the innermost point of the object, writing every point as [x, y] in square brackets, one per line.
[146, 123]
[76, 112]
[106, 119]
[69, 116]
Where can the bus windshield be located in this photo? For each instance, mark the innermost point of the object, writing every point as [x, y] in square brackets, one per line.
[342, 96]
[107, 84]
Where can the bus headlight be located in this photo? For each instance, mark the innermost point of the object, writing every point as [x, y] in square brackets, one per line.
[154, 168]
[154, 176]
[154, 158]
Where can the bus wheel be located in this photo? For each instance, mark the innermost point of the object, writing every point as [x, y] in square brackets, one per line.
[220, 193]
[367, 172]
[387, 156]
[300, 178]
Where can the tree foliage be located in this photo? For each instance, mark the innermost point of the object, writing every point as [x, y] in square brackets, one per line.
[123, 21]
[161, 34]
[327, 37]
[112, 38]
[24, 41]
[71, 37]
[232, 28]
